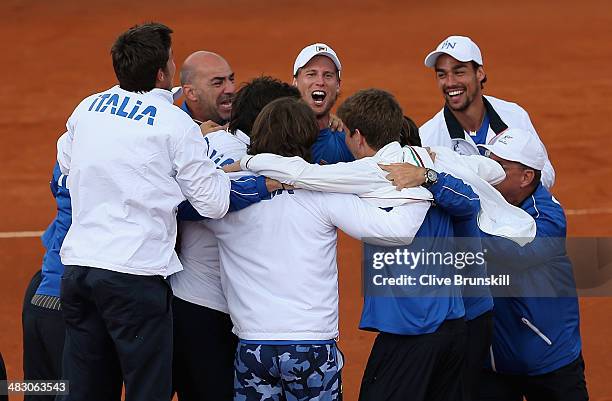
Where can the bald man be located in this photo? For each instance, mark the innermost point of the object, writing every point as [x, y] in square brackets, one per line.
[204, 346]
[208, 87]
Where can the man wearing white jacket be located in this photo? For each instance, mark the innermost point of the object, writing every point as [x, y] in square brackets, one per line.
[131, 157]
[279, 273]
[469, 118]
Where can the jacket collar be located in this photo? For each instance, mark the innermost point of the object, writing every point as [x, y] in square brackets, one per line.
[455, 129]
[163, 94]
[395, 153]
[185, 108]
[390, 151]
[531, 203]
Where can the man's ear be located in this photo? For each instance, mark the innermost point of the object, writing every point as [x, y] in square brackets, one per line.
[527, 178]
[294, 83]
[160, 75]
[360, 138]
[189, 93]
[480, 73]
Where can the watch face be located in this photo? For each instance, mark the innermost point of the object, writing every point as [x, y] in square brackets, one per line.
[432, 176]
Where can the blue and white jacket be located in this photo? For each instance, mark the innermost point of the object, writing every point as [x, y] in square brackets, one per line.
[416, 315]
[53, 237]
[534, 335]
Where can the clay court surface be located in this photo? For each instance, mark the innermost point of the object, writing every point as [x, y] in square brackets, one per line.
[553, 58]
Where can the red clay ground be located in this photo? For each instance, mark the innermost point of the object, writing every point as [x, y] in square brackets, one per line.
[552, 58]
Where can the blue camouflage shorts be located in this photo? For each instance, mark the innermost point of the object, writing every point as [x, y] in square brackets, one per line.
[304, 372]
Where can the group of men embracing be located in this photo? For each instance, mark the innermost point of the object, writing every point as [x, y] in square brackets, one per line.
[194, 249]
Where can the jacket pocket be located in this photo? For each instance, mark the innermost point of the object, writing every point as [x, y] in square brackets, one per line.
[536, 330]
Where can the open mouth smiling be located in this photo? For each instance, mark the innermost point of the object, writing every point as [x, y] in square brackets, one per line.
[454, 92]
[318, 97]
[225, 102]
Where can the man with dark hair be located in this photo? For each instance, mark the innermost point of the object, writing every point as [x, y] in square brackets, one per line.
[378, 116]
[131, 157]
[316, 73]
[289, 351]
[202, 326]
[470, 118]
[253, 96]
[418, 353]
[293, 134]
[536, 349]
[208, 86]
[409, 134]
[284, 127]
[142, 56]
[475, 299]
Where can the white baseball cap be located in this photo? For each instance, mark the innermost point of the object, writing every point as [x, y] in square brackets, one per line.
[317, 49]
[518, 145]
[460, 48]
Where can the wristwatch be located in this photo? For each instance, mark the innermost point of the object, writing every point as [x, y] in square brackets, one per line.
[431, 177]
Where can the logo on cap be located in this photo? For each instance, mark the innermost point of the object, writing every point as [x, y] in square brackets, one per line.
[448, 45]
[321, 48]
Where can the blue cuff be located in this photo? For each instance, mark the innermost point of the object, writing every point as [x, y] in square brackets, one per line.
[437, 187]
[262, 189]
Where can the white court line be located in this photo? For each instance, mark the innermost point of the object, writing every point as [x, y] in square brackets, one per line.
[569, 212]
[21, 234]
[583, 212]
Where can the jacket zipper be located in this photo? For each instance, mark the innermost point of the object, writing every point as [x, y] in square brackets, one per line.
[492, 359]
[537, 331]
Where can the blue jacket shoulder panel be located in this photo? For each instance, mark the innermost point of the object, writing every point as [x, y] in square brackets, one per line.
[330, 148]
[547, 213]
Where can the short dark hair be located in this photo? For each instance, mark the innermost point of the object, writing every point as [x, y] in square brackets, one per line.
[139, 53]
[476, 65]
[251, 99]
[376, 114]
[286, 127]
[409, 134]
[537, 177]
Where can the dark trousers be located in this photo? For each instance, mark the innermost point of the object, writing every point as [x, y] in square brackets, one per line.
[3, 389]
[43, 340]
[204, 349]
[564, 384]
[118, 329]
[479, 335]
[424, 367]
